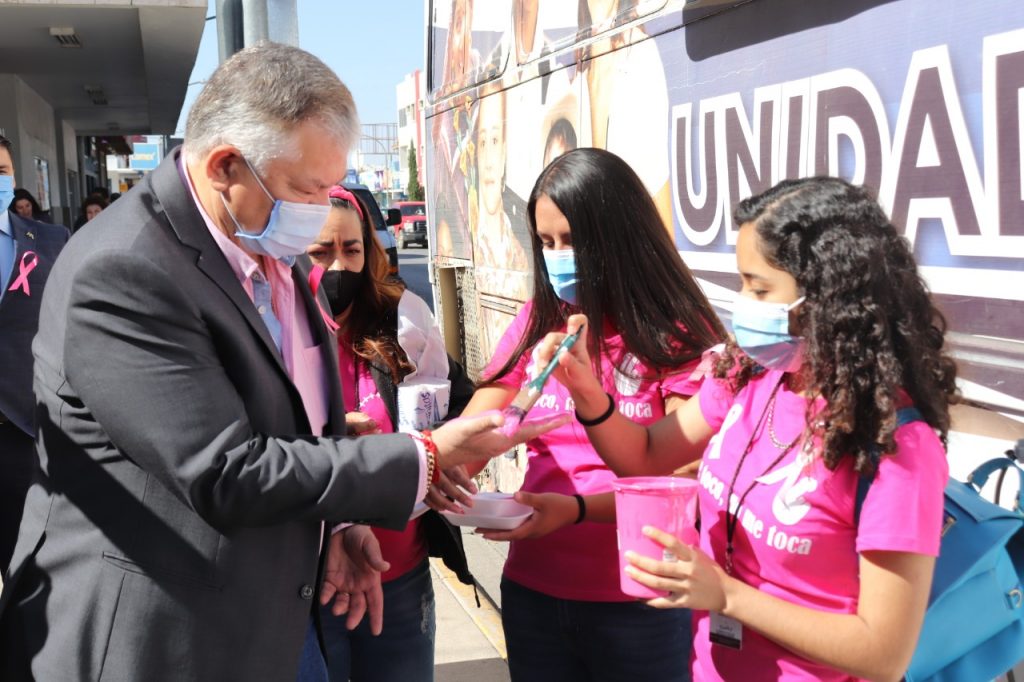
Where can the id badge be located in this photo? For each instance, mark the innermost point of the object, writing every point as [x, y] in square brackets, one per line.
[725, 631]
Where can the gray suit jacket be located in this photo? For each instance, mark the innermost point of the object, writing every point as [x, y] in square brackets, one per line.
[173, 528]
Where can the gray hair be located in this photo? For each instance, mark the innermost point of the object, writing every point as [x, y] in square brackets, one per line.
[256, 99]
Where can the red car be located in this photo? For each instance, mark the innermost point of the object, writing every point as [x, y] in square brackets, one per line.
[413, 227]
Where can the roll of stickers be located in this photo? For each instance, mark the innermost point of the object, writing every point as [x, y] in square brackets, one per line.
[423, 396]
[422, 403]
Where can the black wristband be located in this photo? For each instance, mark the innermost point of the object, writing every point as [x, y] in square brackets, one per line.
[598, 420]
[583, 509]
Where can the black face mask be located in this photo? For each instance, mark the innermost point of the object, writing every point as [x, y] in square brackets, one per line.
[341, 287]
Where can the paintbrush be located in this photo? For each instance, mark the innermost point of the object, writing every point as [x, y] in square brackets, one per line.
[528, 394]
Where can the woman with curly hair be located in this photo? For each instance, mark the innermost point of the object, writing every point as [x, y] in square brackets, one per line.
[834, 332]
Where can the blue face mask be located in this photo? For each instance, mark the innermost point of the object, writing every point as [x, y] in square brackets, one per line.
[561, 267]
[762, 332]
[6, 191]
[291, 227]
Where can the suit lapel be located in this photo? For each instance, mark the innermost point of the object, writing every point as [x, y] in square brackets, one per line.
[328, 346]
[25, 235]
[176, 202]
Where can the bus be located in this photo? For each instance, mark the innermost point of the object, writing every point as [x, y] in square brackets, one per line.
[711, 101]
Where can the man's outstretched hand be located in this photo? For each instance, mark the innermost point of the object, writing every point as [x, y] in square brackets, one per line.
[352, 577]
[468, 439]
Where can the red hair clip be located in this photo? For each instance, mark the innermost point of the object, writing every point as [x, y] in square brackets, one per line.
[339, 192]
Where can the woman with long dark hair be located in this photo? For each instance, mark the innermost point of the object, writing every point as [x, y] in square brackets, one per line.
[835, 332]
[26, 206]
[366, 305]
[600, 248]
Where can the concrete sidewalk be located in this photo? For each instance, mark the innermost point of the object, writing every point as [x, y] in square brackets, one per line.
[470, 646]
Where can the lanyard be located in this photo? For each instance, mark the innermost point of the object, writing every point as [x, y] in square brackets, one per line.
[732, 519]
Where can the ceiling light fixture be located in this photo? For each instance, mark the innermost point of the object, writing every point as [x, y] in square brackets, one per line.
[65, 36]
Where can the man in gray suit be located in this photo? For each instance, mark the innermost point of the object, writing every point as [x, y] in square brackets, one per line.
[188, 397]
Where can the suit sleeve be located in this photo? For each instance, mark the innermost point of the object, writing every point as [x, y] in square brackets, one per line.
[141, 359]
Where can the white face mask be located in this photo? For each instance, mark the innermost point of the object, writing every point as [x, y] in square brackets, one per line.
[762, 332]
[291, 227]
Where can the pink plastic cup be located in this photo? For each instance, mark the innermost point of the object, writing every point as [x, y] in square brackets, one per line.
[664, 502]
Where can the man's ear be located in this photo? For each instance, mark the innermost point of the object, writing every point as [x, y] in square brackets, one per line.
[220, 167]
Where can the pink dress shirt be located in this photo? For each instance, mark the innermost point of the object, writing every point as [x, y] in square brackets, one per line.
[302, 357]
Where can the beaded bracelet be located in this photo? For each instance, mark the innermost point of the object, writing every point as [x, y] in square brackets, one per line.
[601, 419]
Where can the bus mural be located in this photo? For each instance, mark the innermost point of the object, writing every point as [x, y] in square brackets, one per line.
[921, 100]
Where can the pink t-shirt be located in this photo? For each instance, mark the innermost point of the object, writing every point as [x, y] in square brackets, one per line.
[579, 561]
[796, 538]
[404, 549]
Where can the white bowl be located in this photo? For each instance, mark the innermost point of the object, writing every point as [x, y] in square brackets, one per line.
[497, 505]
[491, 510]
[473, 520]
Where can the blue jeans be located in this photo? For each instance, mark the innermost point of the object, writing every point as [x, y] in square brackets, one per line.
[403, 652]
[312, 667]
[562, 640]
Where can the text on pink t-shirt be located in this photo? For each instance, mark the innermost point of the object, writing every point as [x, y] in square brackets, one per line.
[579, 561]
[796, 538]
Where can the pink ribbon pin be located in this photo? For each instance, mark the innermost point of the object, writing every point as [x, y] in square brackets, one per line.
[26, 266]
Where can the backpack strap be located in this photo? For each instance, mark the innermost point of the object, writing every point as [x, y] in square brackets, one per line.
[979, 477]
[904, 416]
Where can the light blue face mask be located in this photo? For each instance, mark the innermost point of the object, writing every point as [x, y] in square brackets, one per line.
[561, 267]
[762, 332]
[6, 191]
[291, 227]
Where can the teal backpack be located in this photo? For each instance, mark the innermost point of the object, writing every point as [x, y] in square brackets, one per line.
[974, 626]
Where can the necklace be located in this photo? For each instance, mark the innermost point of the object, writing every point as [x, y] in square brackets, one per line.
[364, 401]
[361, 401]
[732, 516]
[771, 428]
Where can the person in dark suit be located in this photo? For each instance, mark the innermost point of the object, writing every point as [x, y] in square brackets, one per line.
[28, 249]
[190, 416]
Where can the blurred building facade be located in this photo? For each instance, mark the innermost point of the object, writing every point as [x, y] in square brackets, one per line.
[409, 96]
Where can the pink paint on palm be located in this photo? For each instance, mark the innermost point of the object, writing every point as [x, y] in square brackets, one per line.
[513, 419]
[663, 502]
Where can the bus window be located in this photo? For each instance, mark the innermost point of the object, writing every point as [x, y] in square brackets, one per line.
[543, 27]
[467, 44]
[598, 16]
